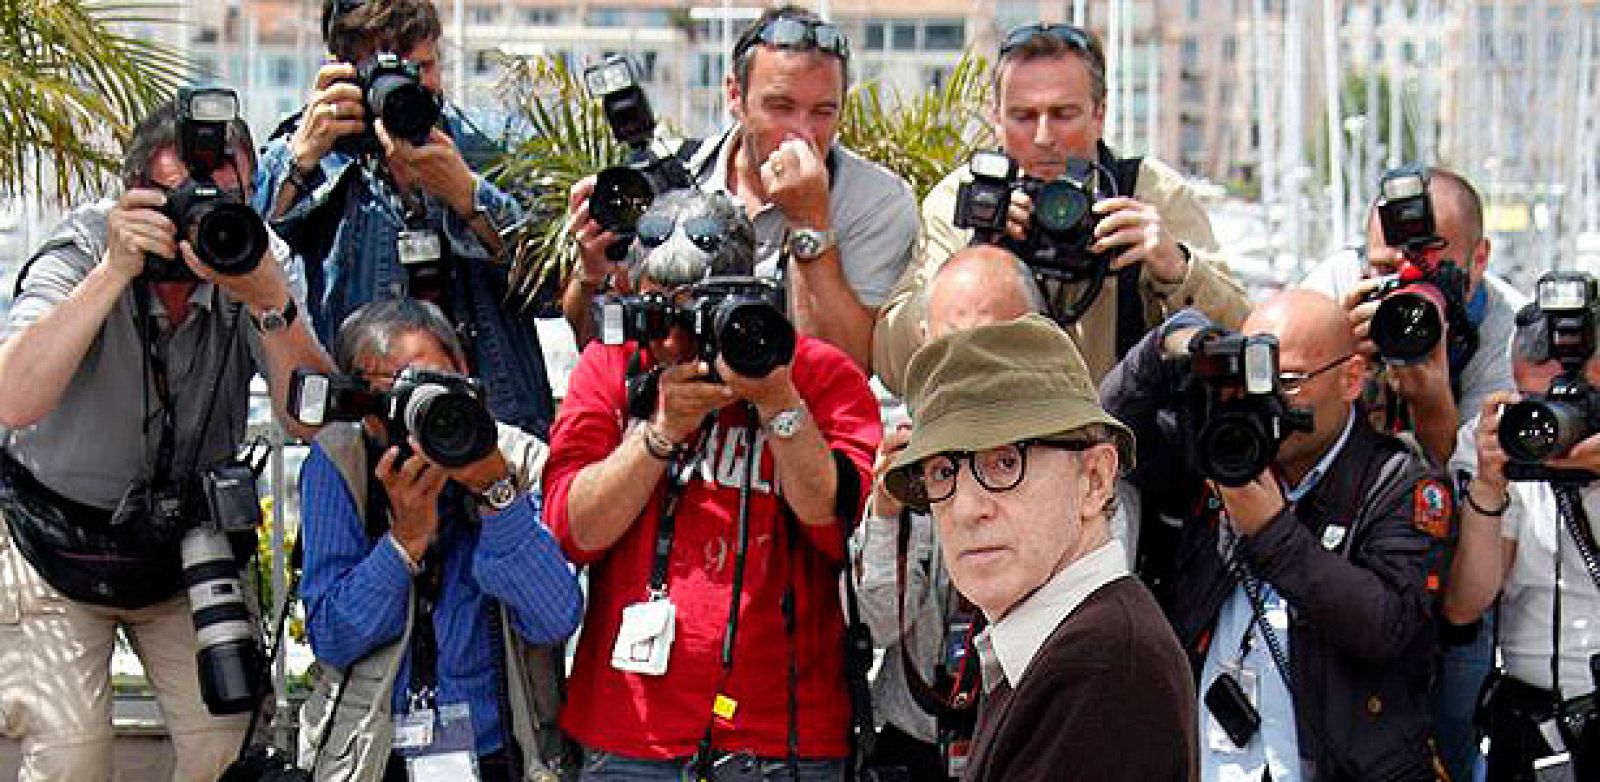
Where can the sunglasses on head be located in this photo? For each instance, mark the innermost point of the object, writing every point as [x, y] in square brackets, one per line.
[787, 33]
[706, 232]
[1070, 35]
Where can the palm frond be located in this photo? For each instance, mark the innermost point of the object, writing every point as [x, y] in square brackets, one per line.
[921, 137]
[72, 87]
[568, 139]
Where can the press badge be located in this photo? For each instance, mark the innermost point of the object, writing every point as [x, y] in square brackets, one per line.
[418, 247]
[1217, 737]
[448, 753]
[644, 641]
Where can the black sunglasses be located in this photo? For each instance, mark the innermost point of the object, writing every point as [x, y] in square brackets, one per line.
[789, 33]
[706, 232]
[1068, 34]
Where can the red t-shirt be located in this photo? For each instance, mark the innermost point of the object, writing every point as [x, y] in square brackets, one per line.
[666, 716]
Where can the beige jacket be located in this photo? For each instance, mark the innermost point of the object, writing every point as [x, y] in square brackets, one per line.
[1208, 286]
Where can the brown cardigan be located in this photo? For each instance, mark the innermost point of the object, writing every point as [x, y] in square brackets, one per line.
[1108, 696]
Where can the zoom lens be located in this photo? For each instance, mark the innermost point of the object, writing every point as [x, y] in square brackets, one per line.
[453, 428]
[229, 659]
[229, 237]
[1233, 448]
[753, 336]
[1060, 207]
[1534, 430]
[1407, 325]
[621, 196]
[409, 110]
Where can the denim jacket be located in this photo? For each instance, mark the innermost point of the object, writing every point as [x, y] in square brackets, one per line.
[363, 264]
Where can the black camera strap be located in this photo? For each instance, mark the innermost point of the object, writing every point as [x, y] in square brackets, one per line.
[958, 709]
[424, 678]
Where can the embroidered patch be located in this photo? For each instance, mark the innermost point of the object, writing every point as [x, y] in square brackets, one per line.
[1431, 509]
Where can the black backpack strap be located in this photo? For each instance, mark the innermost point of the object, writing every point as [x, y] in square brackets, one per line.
[1131, 325]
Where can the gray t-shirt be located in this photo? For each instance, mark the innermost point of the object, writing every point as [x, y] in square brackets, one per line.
[1489, 369]
[104, 432]
[874, 216]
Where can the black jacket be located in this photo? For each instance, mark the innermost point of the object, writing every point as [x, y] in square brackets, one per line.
[1361, 638]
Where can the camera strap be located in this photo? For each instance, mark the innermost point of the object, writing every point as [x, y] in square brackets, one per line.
[1131, 326]
[424, 679]
[958, 709]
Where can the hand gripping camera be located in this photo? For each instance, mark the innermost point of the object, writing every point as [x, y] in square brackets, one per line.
[622, 193]
[1235, 411]
[1059, 232]
[1542, 426]
[445, 411]
[224, 231]
[738, 318]
[392, 89]
[1425, 301]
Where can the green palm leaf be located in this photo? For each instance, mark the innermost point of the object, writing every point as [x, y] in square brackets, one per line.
[72, 87]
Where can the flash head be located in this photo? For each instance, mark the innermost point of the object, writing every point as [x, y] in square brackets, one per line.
[1566, 292]
[991, 164]
[613, 75]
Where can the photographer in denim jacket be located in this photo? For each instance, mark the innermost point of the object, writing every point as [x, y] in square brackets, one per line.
[377, 215]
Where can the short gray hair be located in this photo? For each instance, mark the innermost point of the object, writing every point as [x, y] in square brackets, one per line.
[1021, 274]
[371, 330]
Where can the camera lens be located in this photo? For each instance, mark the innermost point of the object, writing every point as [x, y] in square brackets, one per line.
[409, 110]
[229, 659]
[229, 237]
[1234, 448]
[453, 428]
[621, 195]
[753, 337]
[1534, 429]
[1407, 326]
[1060, 207]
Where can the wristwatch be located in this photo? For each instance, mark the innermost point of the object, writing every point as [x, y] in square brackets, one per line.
[499, 495]
[785, 423]
[808, 244]
[270, 321]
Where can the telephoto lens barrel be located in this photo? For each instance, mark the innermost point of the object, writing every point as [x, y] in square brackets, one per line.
[229, 657]
[1408, 324]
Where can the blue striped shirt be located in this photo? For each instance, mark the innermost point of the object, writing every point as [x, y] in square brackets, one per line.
[355, 590]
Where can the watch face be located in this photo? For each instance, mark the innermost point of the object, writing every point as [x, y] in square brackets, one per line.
[808, 244]
[272, 321]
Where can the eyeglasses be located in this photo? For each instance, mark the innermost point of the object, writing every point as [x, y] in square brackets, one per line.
[1292, 382]
[1068, 34]
[707, 233]
[997, 469]
[789, 33]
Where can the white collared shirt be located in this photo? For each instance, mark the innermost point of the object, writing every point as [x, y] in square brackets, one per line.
[1006, 647]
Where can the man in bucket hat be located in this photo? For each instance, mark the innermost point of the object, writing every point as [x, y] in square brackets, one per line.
[1075, 642]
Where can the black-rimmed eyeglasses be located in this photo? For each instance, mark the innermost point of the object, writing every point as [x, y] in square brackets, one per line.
[1073, 36]
[788, 33]
[997, 469]
[1292, 382]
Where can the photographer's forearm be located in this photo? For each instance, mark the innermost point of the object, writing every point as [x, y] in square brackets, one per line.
[1436, 423]
[806, 474]
[37, 364]
[825, 306]
[607, 497]
[1482, 557]
[575, 305]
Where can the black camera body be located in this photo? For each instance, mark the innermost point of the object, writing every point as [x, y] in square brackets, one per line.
[1063, 222]
[737, 318]
[1546, 425]
[225, 232]
[622, 193]
[1235, 412]
[445, 411]
[392, 90]
[1425, 300]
